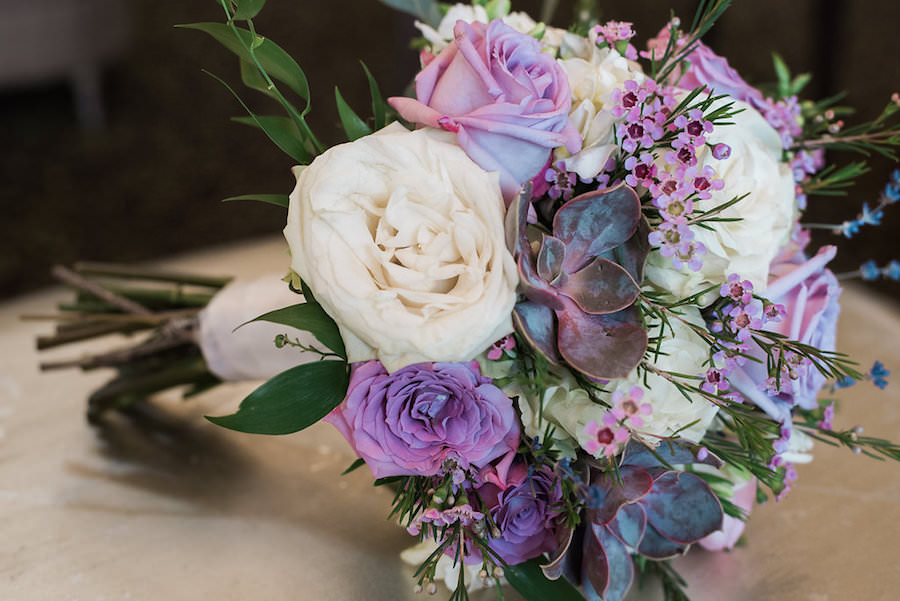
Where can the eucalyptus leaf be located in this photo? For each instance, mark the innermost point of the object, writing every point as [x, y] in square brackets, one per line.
[273, 59]
[529, 580]
[291, 401]
[247, 9]
[354, 126]
[310, 317]
[424, 10]
[283, 132]
[280, 200]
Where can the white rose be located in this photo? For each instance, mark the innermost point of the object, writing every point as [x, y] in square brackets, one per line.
[569, 408]
[400, 236]
[520, 21]
[766, 216]
[799, 448]
[443, 35]
[447, 568]
[592, 82]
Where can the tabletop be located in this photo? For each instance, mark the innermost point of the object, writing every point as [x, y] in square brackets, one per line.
[173, 507]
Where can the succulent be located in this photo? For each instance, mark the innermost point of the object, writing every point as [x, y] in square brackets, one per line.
[648, 509]
[581, 285]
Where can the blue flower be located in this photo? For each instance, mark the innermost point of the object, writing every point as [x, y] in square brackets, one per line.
[869, 217]
[879, 375]
[849, 228]
[893, 270]
[869, 271]
[892, 192]
[844, 382]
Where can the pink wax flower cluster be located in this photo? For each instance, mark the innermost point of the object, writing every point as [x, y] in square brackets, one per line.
[425, 418]
[809, 293]
[507, 102]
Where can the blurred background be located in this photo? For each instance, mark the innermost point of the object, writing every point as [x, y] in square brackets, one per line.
[114, 146]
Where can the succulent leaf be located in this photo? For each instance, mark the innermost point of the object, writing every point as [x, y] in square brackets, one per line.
[550, 259]
[666, 455]
[603, 347]
[536, 323]
[557, 566]
[596, 222]
[601, 287]
[608, 569]
[682, 507]
[629, 525]
[632, 484]
[632, 255]
[655, 546]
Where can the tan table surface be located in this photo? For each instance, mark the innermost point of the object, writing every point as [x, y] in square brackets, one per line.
[189, 511]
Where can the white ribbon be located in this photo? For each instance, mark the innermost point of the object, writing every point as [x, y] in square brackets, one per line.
[249, 352]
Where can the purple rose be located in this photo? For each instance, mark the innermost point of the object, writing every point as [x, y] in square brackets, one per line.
[809, 293]
[414, 420]
[527, 513]
[507, 101]
[708, 69]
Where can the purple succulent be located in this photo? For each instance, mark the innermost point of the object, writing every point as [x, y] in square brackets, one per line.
[582, 284]
[649, 509]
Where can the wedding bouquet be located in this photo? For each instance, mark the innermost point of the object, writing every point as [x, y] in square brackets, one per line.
[563, 300]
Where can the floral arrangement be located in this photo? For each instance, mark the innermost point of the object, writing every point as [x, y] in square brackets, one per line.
[562, 301]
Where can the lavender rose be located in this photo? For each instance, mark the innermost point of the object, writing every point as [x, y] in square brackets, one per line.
[809, 293]
[507, 101]
[414, 420]
[526, 513]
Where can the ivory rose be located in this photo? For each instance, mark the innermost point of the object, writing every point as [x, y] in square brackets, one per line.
[400, 237]
[506, 101]
[593, 81]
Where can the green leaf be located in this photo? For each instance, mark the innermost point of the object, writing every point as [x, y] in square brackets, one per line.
[247, 9]
[282, 131]
[310, 317]
[255, 81]
[379, 107]
[529, 580]
[354, 126]
[291, 401]
[354, 466]
[424, 10]
[783, 74]
[280, 200]
[275, 61]
[800, 82]
[497, 9]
